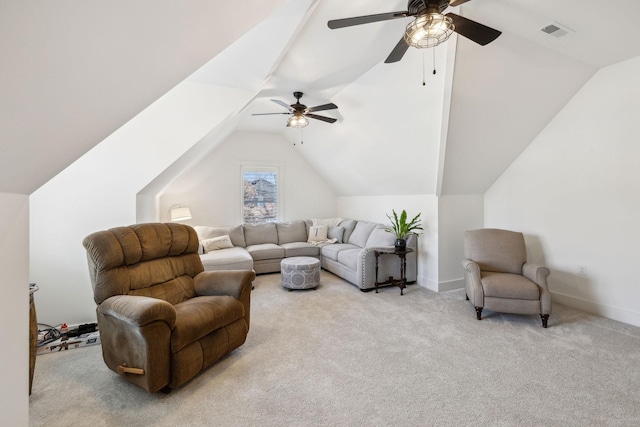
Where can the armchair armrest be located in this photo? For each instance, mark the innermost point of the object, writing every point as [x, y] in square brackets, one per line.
[223, 282]
[536, 273]
[139, 310]
[472, 282]
[235, 283]
[471, 266]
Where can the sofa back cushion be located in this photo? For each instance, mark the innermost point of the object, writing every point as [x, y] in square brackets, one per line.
[380, 238]
[336, 233]
[496, 250]
[289, 232]
[235, 233]
[258, 234]
[155, 260]
[349, 225]
[361, 233]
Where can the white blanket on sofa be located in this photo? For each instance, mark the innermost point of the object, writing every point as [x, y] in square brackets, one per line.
[331, 222]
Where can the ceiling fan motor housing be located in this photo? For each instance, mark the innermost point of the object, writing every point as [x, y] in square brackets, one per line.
[419, 7]
[298, 107]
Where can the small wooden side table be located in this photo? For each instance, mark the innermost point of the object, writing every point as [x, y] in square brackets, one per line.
[402, 282]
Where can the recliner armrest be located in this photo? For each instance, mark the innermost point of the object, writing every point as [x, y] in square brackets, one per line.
[536, 273]
[471, 266]
[235, 283]
[223, 282]
[139, 310]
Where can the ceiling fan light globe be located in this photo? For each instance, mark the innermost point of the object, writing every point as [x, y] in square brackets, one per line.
[428, 30]
[297, 121]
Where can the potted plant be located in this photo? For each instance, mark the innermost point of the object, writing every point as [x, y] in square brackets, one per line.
[402, 229]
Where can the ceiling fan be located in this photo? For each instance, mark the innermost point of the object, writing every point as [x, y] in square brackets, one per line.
[429, 28]
[299, 112]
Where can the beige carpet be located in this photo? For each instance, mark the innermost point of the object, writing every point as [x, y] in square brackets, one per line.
[340, 357]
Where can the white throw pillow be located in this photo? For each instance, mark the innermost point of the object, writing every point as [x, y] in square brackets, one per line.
[216, 243]
[318, 233]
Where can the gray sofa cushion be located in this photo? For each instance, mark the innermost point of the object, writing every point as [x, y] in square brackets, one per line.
[380, 238]
[237, 236]
[265, 251]
[294, 231]
[235, 233]
[349, 257]
[349, 225]
[257, 234]
[361, 233]
[300, 249]
[227, 259]
[332, 251]
[336, 233]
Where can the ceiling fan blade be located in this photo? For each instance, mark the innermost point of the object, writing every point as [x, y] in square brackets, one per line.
[283, 104]
[473, 30]
[398, 52]
[329, 106]
[454, 3]
[367, 19]
[267, 114]
[323, 118]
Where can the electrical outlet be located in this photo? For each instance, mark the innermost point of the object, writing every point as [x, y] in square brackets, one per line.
[582, 270]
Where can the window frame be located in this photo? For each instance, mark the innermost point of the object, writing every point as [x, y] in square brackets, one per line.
[258, 169]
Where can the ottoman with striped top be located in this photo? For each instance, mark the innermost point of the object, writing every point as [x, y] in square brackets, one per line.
[300, 272]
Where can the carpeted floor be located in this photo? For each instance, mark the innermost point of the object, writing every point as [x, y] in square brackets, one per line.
[340, 357]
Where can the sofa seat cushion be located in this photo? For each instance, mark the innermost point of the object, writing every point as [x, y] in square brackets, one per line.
[349, 257]
[507, 285]
[300, 249]
[227, 259]
[199, 316]
[265, 251]
[332, 251]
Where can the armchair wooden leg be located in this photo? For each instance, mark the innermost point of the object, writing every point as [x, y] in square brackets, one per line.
[479, 312]
[544, 318]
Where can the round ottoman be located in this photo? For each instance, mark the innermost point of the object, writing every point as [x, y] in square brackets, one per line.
[301, 272]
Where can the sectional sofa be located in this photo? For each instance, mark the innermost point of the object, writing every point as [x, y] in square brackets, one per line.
[346, 250]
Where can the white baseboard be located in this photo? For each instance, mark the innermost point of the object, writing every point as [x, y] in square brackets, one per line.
[435, 286]
[450, 285]
[610, 312]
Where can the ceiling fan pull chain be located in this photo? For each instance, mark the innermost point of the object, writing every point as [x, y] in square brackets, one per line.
[434, 61]
[424, 78]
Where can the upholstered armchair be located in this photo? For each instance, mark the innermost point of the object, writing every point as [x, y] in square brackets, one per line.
[162, 318]
[498, 277]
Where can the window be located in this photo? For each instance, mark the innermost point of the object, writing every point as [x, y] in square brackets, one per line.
[260, 194]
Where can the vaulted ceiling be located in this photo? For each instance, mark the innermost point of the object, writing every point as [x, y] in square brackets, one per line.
[74, 72]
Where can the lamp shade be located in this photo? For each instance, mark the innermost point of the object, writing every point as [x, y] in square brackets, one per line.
[180, 213]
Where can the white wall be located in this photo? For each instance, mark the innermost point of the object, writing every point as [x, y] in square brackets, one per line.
[98, 191]
[575, 193]
[211, 189]
[14, 264]
[375, 209]
[456, 214]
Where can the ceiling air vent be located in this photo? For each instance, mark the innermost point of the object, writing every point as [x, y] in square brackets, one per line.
[556, 30]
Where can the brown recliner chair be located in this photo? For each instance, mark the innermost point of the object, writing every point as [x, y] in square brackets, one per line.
[498, 277]
[162, 318]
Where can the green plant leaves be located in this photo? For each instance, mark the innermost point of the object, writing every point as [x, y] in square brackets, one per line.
[401, 228]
